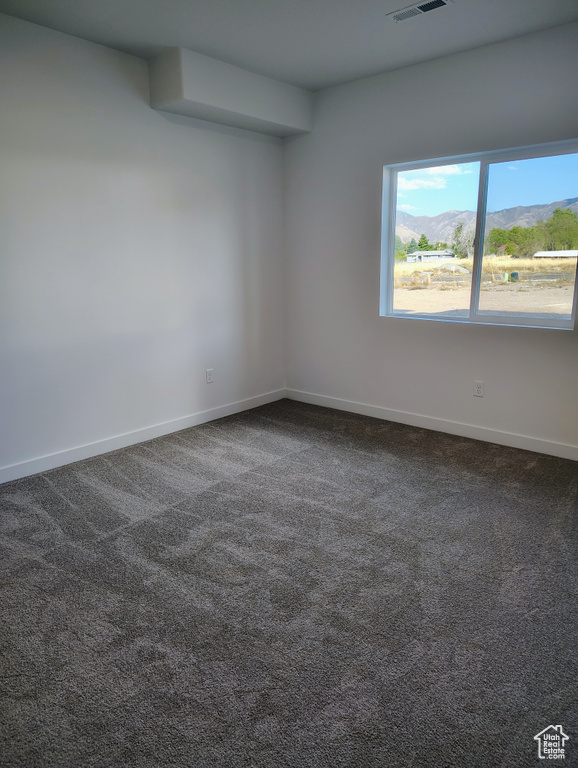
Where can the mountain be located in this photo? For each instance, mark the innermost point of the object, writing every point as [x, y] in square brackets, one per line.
[440, 228]
[527, 216]
[435, 228]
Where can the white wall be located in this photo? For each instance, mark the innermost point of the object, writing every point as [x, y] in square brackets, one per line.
[340, 352]
[136, 250]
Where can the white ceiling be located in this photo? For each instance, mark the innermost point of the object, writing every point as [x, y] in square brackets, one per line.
[310, 43]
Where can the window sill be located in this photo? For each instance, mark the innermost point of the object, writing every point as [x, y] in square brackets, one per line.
[493, 320]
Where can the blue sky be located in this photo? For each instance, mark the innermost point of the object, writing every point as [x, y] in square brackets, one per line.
[430, 191]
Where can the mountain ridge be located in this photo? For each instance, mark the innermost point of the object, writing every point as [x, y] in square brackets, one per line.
[440, 228]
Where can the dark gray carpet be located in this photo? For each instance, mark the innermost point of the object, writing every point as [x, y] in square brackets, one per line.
[292, 587]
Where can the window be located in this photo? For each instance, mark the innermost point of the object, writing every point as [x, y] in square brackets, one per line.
[488, 238]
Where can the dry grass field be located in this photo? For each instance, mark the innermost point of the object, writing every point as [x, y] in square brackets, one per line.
[495, 266]
[544, 286]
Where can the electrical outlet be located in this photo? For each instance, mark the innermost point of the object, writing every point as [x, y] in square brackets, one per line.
[210, 376]
[478, 388]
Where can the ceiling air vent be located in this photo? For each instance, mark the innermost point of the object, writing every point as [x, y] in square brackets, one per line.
[418, 9]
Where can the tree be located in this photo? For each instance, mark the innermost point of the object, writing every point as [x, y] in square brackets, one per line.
[559, 233]
[399, 249]
[563, 230]
[504, 241]
[495, 239]
[529, 239]
[412, 247]
[463, 241]
[423, 244]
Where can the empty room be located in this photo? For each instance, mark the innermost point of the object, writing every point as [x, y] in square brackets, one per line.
[288, 382]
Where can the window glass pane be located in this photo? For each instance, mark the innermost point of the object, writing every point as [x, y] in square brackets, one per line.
[435, 220]
[531, 238]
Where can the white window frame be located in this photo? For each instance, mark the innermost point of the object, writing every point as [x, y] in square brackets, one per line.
[389, 200]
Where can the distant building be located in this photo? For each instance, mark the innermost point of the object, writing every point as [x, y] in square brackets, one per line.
[555, 254]
[431, 255]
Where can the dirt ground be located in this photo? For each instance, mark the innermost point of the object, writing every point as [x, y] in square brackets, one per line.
[555, 300]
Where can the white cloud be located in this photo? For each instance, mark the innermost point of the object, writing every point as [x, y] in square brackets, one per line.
[407, 184]
[432, 178]
[446, 170]
[407, 207]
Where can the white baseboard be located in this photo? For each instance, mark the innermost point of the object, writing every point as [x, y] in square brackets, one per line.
[44, 463]
[440, 425]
